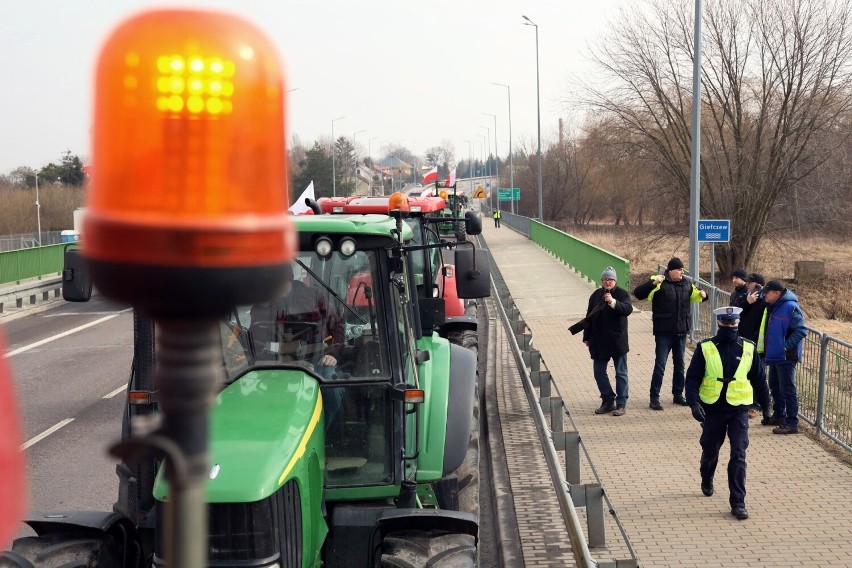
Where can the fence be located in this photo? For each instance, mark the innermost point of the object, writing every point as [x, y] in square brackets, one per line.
[30, 263]
[29, 240]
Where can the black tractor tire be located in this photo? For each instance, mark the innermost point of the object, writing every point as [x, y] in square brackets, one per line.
[467, 339]
[436, 549]
[461, 232]
[63, 551]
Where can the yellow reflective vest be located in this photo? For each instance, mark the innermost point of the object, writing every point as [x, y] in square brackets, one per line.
[739, 389]
[761, 335]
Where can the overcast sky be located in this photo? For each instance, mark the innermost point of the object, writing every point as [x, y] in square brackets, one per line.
[413, 73]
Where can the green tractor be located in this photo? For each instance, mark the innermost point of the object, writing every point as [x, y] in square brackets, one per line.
[311, 463]
[456, 204]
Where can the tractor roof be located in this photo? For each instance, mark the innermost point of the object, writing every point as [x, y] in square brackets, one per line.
[372, 225]
[378, 204]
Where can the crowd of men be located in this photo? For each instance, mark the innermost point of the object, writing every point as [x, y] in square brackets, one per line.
[726, 382]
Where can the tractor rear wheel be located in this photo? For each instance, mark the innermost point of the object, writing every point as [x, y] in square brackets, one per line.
[461, 232]
[63, 551]
[437, 549]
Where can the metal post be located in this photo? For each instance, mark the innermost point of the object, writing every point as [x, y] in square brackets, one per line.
[488, 171]
[496, 152]
[38, 210]
[538, 116]
[511, 165]
[712, 288]
[333, 159]
[694, 177]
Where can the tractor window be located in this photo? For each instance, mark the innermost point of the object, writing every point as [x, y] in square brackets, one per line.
[328, 319]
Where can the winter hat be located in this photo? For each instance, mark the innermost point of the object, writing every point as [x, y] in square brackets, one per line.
[739, 273]
[609, 272]
[774, 285]
[674, 264]
[755, 277]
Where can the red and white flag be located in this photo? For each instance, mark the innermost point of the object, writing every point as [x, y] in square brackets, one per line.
[452, 179]
[431, 175]
[428, 192]
[299, 207]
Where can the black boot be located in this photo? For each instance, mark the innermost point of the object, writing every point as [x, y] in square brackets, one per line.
[607, 406]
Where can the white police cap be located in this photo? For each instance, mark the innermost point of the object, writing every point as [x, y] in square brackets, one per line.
[728, 313]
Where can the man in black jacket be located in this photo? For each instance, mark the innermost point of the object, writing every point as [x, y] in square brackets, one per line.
[670, 296]
[740, 291]
[606, 338]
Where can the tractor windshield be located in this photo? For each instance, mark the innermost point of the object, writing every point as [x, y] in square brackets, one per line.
[327, 318]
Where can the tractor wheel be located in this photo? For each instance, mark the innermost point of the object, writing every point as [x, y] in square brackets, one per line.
[461, 232]
[467, 339]
[63, 551]
[437, 549]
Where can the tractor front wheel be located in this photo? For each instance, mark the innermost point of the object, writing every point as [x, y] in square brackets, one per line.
[63, 551]
[437, 549]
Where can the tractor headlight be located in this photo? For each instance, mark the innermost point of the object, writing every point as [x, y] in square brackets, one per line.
[324, 247]
[347, 246]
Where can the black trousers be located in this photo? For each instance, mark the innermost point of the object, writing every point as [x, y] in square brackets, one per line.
[733, 421]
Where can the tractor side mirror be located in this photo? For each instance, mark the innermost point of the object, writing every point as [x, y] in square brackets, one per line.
[473, 273]
[76, 278]
[473, 222]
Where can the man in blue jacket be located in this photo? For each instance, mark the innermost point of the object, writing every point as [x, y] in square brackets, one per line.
[784, 334]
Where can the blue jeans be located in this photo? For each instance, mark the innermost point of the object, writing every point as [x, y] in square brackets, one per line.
[677, 345]
[604, 386]
[785, 399]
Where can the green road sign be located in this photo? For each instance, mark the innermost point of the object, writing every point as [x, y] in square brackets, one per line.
[509, 194]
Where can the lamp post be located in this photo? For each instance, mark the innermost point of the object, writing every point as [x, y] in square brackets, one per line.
[370, 149]
[38, 210]
[538, 115]
[496, 152]
[333, 164]
[488, 171]
[484, 173]
[511, 165]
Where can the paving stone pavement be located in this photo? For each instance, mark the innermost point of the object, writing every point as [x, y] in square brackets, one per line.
[799, 496]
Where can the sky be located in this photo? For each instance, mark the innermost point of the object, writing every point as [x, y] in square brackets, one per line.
[409, 73]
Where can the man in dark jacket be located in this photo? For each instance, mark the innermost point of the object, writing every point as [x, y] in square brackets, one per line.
[606, 337]
[670, 296]
[784, 334]
[740, 291]
[725, 376]
[754, 307]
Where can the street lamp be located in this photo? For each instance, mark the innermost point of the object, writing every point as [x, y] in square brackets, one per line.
[38, 210]
[488, 171]
[333, 165]
[511, 165]
[538, 115]
[369, 149]
[496, 152]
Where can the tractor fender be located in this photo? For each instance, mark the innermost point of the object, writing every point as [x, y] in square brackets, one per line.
[393, 520]
[462, 390]
[458, 323]
[85, 523]
[455, 306]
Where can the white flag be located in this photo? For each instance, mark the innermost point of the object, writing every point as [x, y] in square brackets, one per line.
[428, 192]
[452, 179]
[299, 207]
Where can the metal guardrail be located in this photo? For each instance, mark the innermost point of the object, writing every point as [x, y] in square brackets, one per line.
[570, 492]
[29, 293]
[35, 262]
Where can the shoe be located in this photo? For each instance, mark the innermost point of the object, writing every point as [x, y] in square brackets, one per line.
[619, 410]
[678, 399]
[655, 405]
[740, 513]
[774, 421]
[786, 430]
[707, 488]
[607, 406]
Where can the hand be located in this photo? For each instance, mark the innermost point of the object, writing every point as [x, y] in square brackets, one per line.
[703, 294]
[328, 361]
[698, 412]
[607, 298]
[658, 279]
[752, 298]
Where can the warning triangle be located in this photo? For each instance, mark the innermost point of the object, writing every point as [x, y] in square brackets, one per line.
[480, 193]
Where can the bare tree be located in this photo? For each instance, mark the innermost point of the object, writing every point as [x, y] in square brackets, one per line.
[775, 78]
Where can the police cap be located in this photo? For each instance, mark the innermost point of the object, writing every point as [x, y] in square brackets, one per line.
[728, 313]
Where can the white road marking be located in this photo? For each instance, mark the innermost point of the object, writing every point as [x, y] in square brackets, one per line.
[115, 392]
[79, 314]
[46, 433]
[63, 334]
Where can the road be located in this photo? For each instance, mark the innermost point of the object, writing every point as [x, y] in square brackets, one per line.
[71, 364]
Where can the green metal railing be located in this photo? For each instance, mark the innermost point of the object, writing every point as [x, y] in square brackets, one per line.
[34, 262]
[585, 258]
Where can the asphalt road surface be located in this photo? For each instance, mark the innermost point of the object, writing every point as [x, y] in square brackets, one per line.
[71, 364]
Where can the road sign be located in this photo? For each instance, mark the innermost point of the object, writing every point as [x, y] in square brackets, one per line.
[504, 194]
[714, 230]
[516, 193]
[480, 193]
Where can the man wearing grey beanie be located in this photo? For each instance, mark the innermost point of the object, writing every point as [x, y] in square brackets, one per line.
[606, 337]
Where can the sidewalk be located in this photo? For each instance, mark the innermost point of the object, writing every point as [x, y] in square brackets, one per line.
[799, 496]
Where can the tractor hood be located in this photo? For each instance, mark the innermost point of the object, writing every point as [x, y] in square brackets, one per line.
[262, 427]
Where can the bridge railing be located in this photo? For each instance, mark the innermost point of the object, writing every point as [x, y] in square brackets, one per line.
[34, 262]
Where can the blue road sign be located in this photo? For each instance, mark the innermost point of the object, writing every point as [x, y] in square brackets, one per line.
[714, 230]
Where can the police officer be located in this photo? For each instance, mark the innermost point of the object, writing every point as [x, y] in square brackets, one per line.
[724, 377]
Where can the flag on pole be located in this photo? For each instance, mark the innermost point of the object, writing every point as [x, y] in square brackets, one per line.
[299, 207]
[431, 175]
[452, 179]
